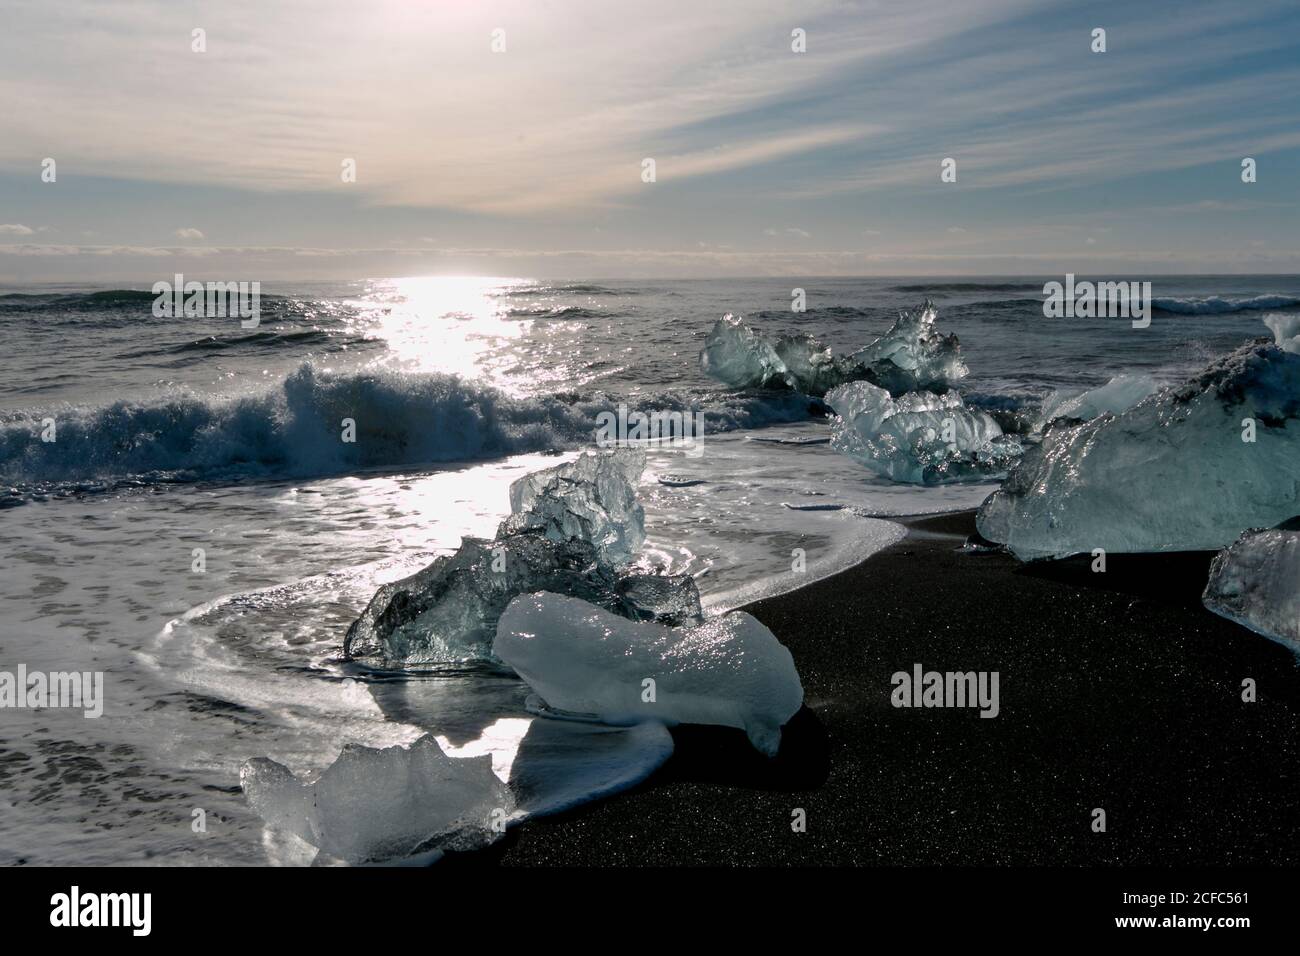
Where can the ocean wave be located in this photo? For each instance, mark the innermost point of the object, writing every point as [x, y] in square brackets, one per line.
[558, 312]
[262, 339]
[105, 299]
[114, 300]
[978, 309]
[565, 288]
[1219, 305]
[296, 430]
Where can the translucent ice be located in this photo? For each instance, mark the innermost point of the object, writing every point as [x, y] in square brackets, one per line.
[922, 438]
[590, 499]
[1120, 393]
[569, 528]
[1187, 468]
[912, 355]
[745, 358]
[448, 611]
[583, 660]
[373, 806]
[1286, 330]
[1256, 582]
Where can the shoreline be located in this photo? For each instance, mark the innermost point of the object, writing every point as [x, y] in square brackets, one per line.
[1118, 691]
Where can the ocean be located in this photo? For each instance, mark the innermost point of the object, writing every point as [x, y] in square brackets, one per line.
[198, 532]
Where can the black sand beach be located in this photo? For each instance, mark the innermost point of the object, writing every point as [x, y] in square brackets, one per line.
[1117, 691]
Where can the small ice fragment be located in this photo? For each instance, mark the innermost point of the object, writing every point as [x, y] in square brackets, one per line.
[1286, 331]
[389, 805]
[671, 599]
[1255, 581]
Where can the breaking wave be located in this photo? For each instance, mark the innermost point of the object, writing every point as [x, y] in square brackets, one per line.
[296, 430]
[1218, 305]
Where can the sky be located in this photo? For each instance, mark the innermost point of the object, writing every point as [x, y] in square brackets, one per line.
[528, 159]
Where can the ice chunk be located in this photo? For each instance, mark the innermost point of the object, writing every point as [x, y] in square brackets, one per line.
[741, 357]
[581, 659]
[373, 806]
[571, 525]
[1256, 582]
[590, 499]
[911, 356]
[922, 438]
[1286, 331]
[1177, 471]
[1120, 393]
[448, 611]
[671, 599]
[562, 764]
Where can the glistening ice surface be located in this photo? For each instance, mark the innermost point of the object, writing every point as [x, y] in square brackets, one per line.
[1255, 581]
[585, 661]
[1188, 468]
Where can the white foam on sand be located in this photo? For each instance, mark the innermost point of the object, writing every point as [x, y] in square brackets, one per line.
[738, 515]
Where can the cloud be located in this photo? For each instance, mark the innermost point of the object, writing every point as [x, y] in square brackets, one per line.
[15, 229]
[433, 117]
[541, 147]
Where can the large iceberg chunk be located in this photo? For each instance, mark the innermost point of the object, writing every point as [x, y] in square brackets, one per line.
[583, 660]
[373, 806]
[1178, 471]
[921, 437]
[912, 355]
[569, 527]
[1256, 582]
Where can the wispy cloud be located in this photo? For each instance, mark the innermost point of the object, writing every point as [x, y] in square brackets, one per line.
[757, 148]
[414, 94]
